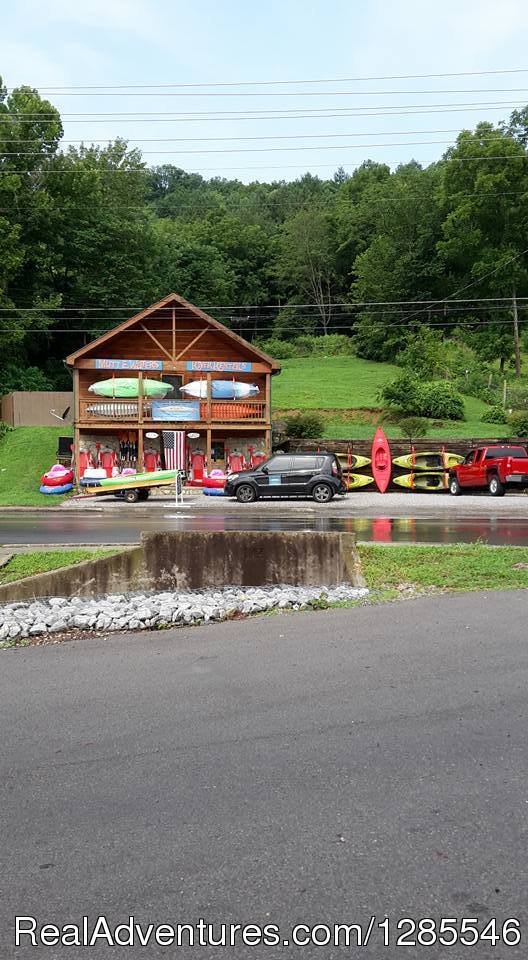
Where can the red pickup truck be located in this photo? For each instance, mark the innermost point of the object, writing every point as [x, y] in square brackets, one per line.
[497, 468]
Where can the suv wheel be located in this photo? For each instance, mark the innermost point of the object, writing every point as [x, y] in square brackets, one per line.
[322, 492]
[245, 493]
[495, 487]
[454, 487]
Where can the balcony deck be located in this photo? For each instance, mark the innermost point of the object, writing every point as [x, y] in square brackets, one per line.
[101, 412]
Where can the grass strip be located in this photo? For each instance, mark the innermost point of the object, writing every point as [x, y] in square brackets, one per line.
[458, 567]
[40, 561]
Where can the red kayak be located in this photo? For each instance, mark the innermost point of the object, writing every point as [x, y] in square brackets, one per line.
[381, 460]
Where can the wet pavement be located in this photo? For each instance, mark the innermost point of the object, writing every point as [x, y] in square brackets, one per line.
[125, 524]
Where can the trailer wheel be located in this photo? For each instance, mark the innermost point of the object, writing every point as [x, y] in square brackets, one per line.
[131, 496]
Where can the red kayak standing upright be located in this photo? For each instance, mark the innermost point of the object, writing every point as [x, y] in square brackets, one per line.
[381, 460]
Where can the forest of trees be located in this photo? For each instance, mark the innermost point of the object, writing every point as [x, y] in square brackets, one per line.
[88, 235]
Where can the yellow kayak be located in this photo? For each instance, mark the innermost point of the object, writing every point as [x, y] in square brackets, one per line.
[356, 462]
[356, 480]
[435, 460]
[423, 481]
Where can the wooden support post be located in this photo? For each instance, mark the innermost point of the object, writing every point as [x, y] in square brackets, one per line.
[174, 334]
[76, 432]
[140, 466]
[268, 398]
[140, 398]
[209, 393]
[208, 450]
[267, 442]
[77, 454]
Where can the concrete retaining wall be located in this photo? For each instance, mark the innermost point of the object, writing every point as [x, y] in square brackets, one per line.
[193, 560]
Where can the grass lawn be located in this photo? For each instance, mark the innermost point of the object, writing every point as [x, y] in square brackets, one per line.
[349, 384]
[25, 454]
[40, 561]
[458, 567]
[309, 383]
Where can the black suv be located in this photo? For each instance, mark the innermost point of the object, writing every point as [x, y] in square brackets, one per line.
[316, 475]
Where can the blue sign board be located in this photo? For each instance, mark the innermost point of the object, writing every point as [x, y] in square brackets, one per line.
[110, 364]
[175, 410]
[219, 366]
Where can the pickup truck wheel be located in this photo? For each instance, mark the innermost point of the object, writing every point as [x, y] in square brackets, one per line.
[454, 487]
[495, 486]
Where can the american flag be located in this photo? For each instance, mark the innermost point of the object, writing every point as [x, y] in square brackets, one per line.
[174, 448]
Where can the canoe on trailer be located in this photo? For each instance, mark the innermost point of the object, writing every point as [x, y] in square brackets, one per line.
[356, 480]
[356, 461]
[435, 460]
[131, 481]
[430, 481]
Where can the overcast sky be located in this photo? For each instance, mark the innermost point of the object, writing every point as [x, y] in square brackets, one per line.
[105, 42]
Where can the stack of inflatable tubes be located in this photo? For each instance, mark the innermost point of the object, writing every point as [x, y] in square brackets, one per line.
[57, 480]
[213, 485]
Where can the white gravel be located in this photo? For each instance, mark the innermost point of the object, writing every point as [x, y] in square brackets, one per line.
[144, 611]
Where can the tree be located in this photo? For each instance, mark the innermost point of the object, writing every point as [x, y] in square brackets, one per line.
[305, 265]
[486, 217]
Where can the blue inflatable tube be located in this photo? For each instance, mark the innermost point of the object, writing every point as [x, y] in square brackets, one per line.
[66, 487]
[213, 491]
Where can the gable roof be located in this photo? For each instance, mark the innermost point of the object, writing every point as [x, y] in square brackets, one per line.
[173, 298]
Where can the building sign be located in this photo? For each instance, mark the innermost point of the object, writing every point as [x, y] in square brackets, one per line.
[129, 364]
[175, 410]
[219, 366]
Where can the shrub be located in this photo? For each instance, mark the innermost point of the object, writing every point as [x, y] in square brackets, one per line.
[495, 414]
[434, 399]
[4, 428]
[278, 349]
[519, 425]
[304, 426]
[413, 428]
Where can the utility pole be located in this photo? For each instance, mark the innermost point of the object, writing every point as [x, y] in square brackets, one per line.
[516, 343]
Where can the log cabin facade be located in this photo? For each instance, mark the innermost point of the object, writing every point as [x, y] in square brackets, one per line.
[177, 343]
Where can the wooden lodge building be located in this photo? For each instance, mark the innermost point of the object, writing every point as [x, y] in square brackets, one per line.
[180, 345]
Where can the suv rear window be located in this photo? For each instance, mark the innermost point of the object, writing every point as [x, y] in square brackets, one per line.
[516, 453]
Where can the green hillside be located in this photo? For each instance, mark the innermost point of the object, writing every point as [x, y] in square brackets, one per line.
[25, 454]
[348, 388]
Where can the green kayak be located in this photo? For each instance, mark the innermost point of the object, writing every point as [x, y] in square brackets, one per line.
[356, 461]
[356, 480]
[422, 481]
[436, 460]
[127, 387]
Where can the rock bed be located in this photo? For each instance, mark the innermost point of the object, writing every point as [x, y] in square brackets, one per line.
[143, 611]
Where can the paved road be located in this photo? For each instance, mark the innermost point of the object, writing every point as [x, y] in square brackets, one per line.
[309, 768]
[122, 524]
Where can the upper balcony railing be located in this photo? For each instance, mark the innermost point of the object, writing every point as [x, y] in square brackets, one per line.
[99, 410]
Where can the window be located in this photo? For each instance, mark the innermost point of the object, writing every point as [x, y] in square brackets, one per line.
[279, 464]
[516, 453]
[307, 463]
[470, 457]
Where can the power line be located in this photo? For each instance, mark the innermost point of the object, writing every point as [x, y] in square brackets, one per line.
[260, 83]
[266, 136]
[349, 305]
[288, 166]
[319, 146]
[301, 93]
[276, 114]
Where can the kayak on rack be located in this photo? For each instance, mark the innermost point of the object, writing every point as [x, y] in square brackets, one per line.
[428, 481]
[436, 460]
